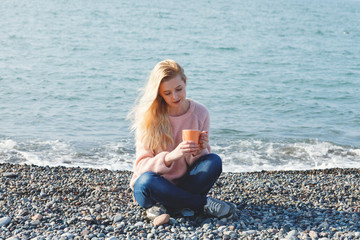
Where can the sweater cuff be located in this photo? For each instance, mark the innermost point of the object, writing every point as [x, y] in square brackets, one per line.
[171, 164]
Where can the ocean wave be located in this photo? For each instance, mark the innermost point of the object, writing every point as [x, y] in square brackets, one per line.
[239, 155]
[114, 156]
[256, 155]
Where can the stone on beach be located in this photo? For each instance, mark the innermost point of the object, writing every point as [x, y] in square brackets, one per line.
[118, 218]
[162, 219]
[37, 217]
[4, 221]
[291, 235]
[313, 235]
[10, 174]
[13, 238]
[186, 212]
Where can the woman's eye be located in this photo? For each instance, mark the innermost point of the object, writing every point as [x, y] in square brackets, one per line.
[179, 89]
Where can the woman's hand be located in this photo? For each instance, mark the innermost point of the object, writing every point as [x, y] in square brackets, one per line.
[183, 149]
[203, 140]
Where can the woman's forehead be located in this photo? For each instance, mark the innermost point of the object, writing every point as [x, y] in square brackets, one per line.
[172, 83]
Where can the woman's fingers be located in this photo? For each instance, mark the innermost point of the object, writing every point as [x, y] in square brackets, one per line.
[190, 146]
[204, 137]
[204, 140]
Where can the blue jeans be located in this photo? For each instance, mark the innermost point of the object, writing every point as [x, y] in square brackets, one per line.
[189, 192]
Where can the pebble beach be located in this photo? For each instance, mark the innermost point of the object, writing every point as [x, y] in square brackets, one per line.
[39, 202]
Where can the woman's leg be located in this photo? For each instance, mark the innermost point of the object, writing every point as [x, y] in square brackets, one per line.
[201, 178]
[203, 175]
[151, 188]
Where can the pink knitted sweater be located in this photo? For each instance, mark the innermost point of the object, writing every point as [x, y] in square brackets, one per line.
[197, 117]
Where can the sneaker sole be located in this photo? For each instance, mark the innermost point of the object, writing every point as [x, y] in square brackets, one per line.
[231, 212]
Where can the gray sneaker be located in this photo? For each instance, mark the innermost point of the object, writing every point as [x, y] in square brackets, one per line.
[218, 208]
[155, 210]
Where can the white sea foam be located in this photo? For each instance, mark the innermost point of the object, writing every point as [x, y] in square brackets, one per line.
[7, 144]
[238, 156]
[114, 156]
[263, 155]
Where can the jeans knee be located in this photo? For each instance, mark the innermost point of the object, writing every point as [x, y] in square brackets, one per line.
[142, 189]
[216, 161]
[145, 180]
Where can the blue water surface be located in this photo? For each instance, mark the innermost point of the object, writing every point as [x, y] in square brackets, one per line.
[281, 79]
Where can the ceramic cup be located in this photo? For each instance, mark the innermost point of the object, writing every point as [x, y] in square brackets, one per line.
[191, 135]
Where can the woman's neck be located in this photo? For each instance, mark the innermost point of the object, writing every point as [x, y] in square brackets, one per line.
[174, 112]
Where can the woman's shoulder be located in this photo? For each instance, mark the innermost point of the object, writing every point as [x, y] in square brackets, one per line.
[198, 107]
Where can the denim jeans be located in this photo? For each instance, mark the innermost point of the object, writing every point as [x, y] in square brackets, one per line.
[189, 192]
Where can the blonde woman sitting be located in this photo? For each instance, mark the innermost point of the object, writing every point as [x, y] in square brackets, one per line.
[168, 171]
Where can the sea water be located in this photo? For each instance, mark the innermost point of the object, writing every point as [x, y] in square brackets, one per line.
[281, 79]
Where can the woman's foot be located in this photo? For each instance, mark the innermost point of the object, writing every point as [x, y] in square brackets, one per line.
[218, 208]
[158, 214]
[155, 211]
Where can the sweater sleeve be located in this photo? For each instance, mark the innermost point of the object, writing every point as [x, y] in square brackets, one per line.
[147, 161]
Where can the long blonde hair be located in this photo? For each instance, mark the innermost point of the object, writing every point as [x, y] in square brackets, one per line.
[150, 119]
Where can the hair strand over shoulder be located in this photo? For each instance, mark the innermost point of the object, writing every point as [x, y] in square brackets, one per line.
[150, 119]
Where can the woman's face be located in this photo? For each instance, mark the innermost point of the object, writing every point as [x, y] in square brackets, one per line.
[173, 91]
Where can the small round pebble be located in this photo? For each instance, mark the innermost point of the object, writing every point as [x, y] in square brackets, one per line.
[4, 221]
[10, 174]
[162, 219]
[37, 217]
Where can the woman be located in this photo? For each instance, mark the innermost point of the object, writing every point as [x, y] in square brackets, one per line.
[170, 172]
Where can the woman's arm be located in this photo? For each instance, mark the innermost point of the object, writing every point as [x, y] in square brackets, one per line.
[183, 149]
[162, 162]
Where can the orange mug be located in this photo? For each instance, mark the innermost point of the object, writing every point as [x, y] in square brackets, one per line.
[191, 135]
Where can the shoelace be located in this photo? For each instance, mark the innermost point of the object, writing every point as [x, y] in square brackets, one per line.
[214, 206]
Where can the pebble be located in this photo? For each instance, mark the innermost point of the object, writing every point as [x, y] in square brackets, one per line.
[230, 233]
[118, 218]
[10, 174]
[37, 217]
[139, 224]
[313, 235]
[109, 229]
[68, 235]
[207, 226]
[187, 212]
[112, 238]
[35, 222]
[162, 219]
[250, 232]
[291, 235]
[173, 221]
[4, 221]
[85, 232]
[73, 203]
